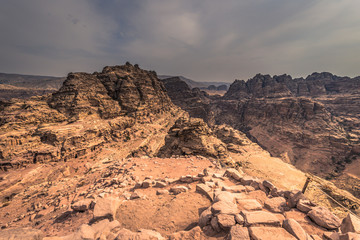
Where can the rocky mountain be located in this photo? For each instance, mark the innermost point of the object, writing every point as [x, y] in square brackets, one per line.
[312, 123]
[316, 84]
[109, 156]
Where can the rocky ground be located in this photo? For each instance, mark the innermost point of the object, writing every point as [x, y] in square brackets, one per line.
[109, 156]
[144, 198]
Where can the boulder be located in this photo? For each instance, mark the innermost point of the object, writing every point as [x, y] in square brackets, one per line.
[239, 219]
[294, 228]
[86, 232]
[349, 236]
[205, 190]
[186, 179]
[276, 204]
[226, 221]
[238, 232]
[205, 217]
[82, 205]
[224, 207]
[331, 236]
[294, 198]
[235, 174]
[270, 233]
[106, 208]
[178, 189]
[305, 205]
[248, 180]
[134, 195]
[260, 218]
[268, 185]
[162, 192]
[104, 227]
[350, 224]
[159, 184]
[146, 183]
[324, 218]
[215, 224]
[20, 234]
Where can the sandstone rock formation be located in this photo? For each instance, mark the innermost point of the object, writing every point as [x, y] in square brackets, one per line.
[118, 90]
[194, 101]
[191, 136]
[312, 123]
[69, 123]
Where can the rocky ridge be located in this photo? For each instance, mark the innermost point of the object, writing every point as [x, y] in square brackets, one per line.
[70, 122]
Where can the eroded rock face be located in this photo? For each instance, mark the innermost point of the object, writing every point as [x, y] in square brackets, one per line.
[88, 111]
[116, 91]
[194, 101]
[311, 123]
[191, 136]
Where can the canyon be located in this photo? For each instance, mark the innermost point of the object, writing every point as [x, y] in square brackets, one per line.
[312, 123]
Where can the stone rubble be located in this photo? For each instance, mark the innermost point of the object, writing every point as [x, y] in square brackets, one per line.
[236, 212]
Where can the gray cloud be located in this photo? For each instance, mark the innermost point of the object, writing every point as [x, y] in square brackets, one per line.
[204, 40]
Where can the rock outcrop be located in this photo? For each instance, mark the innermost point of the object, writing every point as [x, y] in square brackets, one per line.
[191, 136]
[194, 101]
[88, 111]
[118, 90]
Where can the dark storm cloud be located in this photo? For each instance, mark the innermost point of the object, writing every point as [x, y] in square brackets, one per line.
[204, 40]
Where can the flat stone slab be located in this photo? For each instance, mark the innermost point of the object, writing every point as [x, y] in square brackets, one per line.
[224, 207]
[260, 218]
[248, 204]
[238, 232]
[234, 189]
[270, 233]
[295, 229]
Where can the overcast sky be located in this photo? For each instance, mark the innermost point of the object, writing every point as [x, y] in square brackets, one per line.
[205, 40]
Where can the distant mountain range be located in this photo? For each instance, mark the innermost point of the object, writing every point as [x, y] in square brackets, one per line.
[32, 81]
[194, 84]
[25, 86]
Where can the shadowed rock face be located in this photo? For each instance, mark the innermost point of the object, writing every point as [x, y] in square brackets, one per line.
[312, 123]
[194, 101]
[116, 91]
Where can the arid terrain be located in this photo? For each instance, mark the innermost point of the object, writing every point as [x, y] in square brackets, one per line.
[120, 154]
[312, 123]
